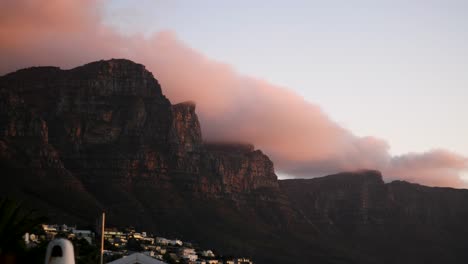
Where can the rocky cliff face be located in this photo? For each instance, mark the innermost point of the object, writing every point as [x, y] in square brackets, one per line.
[111, 124]
[397, 222]
[32, 167]
[216, 168]
[345, 200]
[104, 137]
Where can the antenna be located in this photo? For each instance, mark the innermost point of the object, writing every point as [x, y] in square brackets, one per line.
[102, 236]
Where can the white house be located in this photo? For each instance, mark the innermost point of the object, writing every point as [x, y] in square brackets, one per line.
[208, 253]
[175, 242]
[188, 254]
[243, 261]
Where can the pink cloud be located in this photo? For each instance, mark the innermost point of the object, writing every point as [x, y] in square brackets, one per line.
[433, 168]
[301, 139]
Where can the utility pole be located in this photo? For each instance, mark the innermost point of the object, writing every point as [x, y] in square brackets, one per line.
[102, 236]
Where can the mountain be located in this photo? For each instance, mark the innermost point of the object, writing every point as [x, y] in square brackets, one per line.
[397, 222]
[103, 137]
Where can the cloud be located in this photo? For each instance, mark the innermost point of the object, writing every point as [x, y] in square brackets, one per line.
[300, 138]
[433, 168]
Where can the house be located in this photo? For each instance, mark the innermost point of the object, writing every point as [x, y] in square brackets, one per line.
[243, 261]
[146, 240]
[137, 258]
[113, 233]
[85, 234]
[207, 254]
[162, 241]
[175, 242]
[188, 254]
[137, 235]
[50, 230]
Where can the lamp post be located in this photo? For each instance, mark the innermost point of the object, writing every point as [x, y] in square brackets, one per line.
[102, 236]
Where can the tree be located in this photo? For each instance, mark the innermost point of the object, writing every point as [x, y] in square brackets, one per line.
[14, 223]
[134, 245]
[85, 252]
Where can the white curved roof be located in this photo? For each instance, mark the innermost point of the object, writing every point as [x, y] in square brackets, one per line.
[137, 258]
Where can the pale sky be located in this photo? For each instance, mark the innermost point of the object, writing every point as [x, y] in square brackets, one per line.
[397, 70]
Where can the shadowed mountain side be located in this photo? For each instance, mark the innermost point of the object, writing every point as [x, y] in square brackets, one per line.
[397, 222]
[103, 137]
[31, 168]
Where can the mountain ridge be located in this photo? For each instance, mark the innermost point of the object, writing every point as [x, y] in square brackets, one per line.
[103, 136]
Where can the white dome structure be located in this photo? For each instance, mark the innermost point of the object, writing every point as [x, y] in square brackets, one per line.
[60, 251]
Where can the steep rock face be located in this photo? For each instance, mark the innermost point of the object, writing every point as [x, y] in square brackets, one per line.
[397, 222]
[185, 139]
[216, 168]
[240, 168]
[112, 125]
[347, 200]
[103, 137]
[116, 103]
[186, 132]
[237, 178]
[18, 122]
[33, 167]
[108, 122]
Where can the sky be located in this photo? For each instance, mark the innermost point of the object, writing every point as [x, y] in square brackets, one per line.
[319, 86]
[359, 60]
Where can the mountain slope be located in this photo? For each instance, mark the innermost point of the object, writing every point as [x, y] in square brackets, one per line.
[397, 222]
[103, 136]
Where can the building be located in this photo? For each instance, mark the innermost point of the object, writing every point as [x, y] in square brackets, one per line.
[188, 254]
[110, 233]
[50, 230]
[207, 254]
[162, 241]
[85, 234]
[176, 242]
[243, 261]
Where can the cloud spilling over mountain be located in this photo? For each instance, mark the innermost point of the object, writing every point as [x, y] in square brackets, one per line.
[297, 134]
